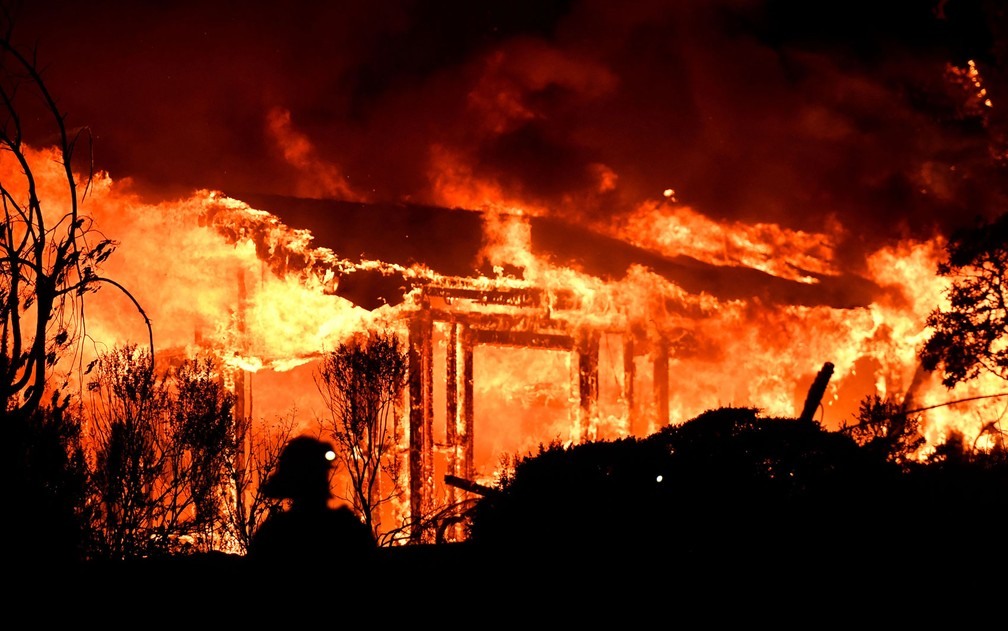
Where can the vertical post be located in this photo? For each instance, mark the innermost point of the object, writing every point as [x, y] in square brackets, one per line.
[629, 376]
[459, 421]
[427, 459]
[588, 352]
[661, 383]
[421, 381]
[452, 408]
[468, 458]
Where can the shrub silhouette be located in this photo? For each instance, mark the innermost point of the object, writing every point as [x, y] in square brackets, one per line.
[726, 480]
[45, 479]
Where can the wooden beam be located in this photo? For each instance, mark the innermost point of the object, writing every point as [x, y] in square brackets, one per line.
[525, 339]
[816, 392]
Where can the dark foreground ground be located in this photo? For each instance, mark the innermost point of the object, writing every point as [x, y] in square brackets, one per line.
[458, 585]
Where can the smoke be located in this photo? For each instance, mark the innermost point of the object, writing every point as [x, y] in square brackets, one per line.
[751, 111]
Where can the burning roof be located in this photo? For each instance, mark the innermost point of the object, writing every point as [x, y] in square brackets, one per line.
[449, 242]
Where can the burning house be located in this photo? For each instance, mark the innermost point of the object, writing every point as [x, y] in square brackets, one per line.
[549, 285]
[522, 330]
[435, 276]
[481, 296]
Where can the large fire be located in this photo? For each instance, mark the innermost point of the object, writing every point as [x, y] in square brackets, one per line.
[217, 275]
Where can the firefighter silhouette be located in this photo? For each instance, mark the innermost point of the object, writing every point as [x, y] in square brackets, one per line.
[304, 529]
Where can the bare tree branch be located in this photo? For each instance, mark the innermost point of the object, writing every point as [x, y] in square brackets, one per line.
[47, 265]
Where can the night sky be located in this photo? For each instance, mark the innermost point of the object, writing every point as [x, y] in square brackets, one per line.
[787, 112]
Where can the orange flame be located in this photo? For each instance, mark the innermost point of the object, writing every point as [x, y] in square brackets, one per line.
[216, 275]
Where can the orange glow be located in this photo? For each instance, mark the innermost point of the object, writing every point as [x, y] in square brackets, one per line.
[317, 178]
[680, 230]
[216, 275]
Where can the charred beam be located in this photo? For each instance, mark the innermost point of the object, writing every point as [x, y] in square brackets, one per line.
[661, 382]
[451, 401]
[469, 485]
[468, 411]
[588, 354]
[528, 339]
[816, 392]
[517, 297]
[421, 414]
[536, 321]
[510, 296]
[629, 376]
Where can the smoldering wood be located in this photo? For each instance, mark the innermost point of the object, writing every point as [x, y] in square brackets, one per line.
[469, 485]
[816, 392]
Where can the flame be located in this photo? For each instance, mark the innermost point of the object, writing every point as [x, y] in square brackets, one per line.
[216, 275]
[728, 352]
[206, 269]
[455, 185]
[680, 230]
[317, 178]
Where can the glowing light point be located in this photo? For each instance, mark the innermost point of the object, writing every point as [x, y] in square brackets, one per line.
[669, 194]
[330, 455]
[659, 478]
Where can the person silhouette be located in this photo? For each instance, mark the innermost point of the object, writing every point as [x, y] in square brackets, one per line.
[305, 530]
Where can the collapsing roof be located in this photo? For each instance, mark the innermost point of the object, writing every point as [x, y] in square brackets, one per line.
[448, 241]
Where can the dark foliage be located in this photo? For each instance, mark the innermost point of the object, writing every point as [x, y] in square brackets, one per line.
[361, 382]
[52, 254]
[45, 478]
[564, 499]
[205, 432]
[885, 426]
[772, 513]
[958, 497]
[968, 337]
[727, 482]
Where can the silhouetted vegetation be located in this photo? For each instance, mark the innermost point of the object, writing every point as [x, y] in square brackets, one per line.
[362, 383]
[726, 471]
[732, 486]
[50, 253]
[254, 462]
[45, 488]
[885, 426]
[970, 334]
[51, 261]
[164, 446]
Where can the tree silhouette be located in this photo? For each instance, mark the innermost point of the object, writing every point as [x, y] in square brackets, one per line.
[45, 476]
[50, 252]
[969, 337]
[164, 446]
[205, 437]
[362, 383]
[129, 412]
[255, 459]
[886, 426]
